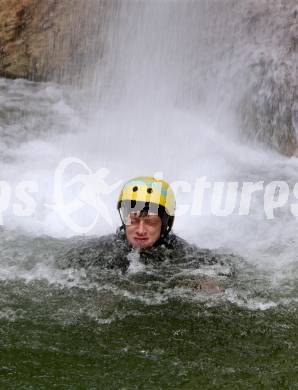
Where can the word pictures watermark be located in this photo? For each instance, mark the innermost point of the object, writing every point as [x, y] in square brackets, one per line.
[91, 189]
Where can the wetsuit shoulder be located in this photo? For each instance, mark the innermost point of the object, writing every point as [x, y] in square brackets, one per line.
[190, 253]
[85, 252]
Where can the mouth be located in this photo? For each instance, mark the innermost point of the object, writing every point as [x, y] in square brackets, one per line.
[140, 241]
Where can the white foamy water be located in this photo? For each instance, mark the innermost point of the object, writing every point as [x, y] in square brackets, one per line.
[118, 142]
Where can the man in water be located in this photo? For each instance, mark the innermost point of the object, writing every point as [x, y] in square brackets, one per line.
[147, 210]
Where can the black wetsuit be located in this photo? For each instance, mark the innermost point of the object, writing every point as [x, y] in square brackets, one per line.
[112, 252]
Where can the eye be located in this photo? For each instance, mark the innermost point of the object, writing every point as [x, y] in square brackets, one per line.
[135, 189]
[152, 222]
[132, 220]
[149, 190]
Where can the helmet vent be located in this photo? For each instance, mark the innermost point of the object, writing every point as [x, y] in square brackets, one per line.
[149, 190]
[135, 189]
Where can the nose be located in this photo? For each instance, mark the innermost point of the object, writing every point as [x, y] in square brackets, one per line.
[141, 228]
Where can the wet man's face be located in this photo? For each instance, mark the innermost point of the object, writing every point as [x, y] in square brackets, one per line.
[143, 231]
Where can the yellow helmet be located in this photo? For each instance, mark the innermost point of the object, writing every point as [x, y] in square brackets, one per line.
[145, 193]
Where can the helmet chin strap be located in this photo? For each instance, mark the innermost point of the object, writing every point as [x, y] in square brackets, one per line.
[123, 224]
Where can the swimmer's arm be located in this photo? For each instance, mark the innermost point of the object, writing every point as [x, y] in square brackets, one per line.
[209, 285]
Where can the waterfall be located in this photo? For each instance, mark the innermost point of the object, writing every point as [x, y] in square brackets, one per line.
[216, 56]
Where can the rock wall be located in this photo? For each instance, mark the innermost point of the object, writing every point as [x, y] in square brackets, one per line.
[268, 111]
[50, 39]
[13, 49]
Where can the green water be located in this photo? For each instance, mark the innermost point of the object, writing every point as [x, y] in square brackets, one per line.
[55, 337]
[98, 328]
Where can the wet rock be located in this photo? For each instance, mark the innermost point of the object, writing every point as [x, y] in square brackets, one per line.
[39, 38]
[268, 108]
